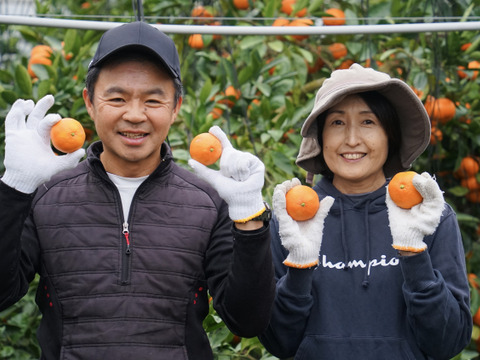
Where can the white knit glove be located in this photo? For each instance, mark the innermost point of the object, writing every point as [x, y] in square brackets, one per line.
[239, 181]
[29, 158]
[410, 226]
[302, 239]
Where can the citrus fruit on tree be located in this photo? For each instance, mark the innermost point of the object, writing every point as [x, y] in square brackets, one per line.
[302, 203]
[338, 50]
[67, 135]
[469, 167]
[241, 4]
[287, 8]
[337, 17]
[205, 148]
[402, 191]
[195, 41]
[440, 110]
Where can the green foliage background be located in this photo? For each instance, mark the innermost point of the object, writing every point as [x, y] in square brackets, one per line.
[277, 93]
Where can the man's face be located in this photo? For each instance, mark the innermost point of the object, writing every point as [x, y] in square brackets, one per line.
[133, 108]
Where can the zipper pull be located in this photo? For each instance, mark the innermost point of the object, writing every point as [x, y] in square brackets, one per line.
[126, 233]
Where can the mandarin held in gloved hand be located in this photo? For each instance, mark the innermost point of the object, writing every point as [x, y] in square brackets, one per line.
[302, 202]
[403, 192]
[67, 135]
[206, 149]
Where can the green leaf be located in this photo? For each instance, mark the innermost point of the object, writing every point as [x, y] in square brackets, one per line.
[23, 80]
[181, 154]
[265, 89]
[28, 33]
[44, 88]
[271, 6]
[245, 74]
[276, 46]
[41, 71]
[9, 96]
[315, 5]
[276, 134]
[5, 76]
[250, 41]
[307, 55]
[229, 71]
[70, 41]
[462, 217]
[458, 191]
[282, 162]
[205, 93]
[386, 54]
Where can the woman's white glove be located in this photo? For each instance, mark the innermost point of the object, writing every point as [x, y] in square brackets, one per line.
[410, 226]
[29, 159]
[239, 181]
[302, 239]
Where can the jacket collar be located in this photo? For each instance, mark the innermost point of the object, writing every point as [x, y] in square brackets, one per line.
[96, 148]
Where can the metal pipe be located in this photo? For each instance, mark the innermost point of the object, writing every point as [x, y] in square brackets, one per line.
[250, 30]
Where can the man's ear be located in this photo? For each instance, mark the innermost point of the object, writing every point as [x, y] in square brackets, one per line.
[88, 103]
[177, 109]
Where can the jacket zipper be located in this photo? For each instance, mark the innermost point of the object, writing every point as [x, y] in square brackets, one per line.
[126, 255]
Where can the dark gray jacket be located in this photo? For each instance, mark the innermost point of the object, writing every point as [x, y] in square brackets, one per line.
[108, 294]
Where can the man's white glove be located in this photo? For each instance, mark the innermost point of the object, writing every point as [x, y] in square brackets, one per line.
[29, 159]
[410, 226]
[239, 181]
[302, 239]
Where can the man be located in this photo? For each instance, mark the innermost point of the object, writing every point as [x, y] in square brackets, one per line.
[127, 243]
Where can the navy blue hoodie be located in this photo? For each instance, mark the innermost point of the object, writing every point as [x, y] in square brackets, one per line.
[363, 301]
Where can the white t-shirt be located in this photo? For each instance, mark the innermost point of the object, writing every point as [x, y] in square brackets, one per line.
[127, 187]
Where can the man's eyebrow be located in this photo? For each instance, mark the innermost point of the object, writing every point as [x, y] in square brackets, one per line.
[120, 90]
[155, 91]
[115, 89]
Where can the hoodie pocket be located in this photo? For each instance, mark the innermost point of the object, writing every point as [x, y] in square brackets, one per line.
[354, 348]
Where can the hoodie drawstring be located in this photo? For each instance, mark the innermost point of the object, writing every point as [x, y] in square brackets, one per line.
[365, 281]
[344, 240]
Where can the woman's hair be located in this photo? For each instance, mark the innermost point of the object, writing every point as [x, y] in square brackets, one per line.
[124, 56]
[385, 113]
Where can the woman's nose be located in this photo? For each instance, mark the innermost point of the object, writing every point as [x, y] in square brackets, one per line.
[352, 136]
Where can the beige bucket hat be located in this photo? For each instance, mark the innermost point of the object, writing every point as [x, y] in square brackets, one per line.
[414, 121]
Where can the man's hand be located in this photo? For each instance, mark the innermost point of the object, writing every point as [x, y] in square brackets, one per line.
[239, 181]
[29, 158]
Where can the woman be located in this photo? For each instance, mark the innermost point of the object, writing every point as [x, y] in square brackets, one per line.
[346, 287]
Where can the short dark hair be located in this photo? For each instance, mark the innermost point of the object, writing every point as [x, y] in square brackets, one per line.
[124, 56]
[385, 113]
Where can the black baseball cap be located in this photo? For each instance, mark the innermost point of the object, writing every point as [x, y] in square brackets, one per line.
[138, 35]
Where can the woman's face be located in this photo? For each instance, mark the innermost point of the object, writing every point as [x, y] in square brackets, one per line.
[355, 146]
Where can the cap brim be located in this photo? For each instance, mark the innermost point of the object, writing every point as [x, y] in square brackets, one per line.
[138, 36]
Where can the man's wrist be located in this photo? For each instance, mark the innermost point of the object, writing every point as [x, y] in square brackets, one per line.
[249, 225]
